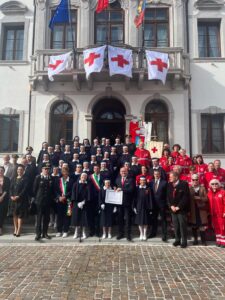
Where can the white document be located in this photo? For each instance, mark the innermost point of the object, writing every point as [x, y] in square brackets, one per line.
[114, 197]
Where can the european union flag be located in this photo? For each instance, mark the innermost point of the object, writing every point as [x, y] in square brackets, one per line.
[61, 14]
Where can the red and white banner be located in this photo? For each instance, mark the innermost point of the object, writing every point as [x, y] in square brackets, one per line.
[158, 65]
[155, 149]
[93, 60]
[58, 63]
[101, 5]
[120, 61]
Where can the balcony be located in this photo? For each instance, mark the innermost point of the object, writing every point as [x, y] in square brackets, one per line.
[179, 68]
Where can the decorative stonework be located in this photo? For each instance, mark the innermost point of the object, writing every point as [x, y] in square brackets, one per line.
[209, 4]
[13, 7]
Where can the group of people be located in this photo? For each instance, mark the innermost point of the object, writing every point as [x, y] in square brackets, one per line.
[67, 185]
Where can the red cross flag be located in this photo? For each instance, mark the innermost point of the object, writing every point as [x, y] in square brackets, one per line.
[93, 60]
[58, 63]
[158, 65]
[155, 149]
[120, 61]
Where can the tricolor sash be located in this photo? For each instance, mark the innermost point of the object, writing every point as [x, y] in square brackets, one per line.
[95, 181]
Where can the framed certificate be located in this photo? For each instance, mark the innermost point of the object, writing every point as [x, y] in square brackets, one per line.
[114, 197]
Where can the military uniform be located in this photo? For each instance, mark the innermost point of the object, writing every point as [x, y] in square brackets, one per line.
[43, 193]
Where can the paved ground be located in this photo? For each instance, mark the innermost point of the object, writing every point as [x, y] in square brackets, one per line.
[93, 270]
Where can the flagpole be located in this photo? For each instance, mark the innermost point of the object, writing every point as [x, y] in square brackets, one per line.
[72, 33]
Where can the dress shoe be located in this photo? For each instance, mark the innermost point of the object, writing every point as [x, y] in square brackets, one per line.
[129, 238]
[176, 243]
[183, 245]
[46, 236]
[164, 239]
[195, 242]
[120, 236]
[37, 237]
[18, 235]
[218, 245]
[151, 236]
[222, 246]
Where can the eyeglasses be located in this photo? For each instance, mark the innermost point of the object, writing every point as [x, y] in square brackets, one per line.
[214, 184]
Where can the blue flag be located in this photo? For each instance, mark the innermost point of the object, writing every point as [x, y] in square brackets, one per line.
[61, 14]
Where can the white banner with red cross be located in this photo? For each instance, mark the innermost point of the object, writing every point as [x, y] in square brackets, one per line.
[155, 149]
[93, 60]
[120, 61]
[158, 65]
[58, 64]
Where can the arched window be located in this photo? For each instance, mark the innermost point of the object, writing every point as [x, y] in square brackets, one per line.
[156, 112]
[108, 119]
[61, 122]
[109, 25]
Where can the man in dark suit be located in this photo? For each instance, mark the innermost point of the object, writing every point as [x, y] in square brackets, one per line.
[156, 166]
[126, 184]
[178, 197]
[43, 193]
[159, 192]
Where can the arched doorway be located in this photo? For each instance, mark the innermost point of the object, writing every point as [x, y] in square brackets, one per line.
[61, 122]
[108, 119]
[156, 111]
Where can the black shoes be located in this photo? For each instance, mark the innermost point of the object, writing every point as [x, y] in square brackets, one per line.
[176, 243]
[46, 236]
[183, 245]
[120, 236]
[164, 239]
[129, 238]
[151, 236]
[37, 238]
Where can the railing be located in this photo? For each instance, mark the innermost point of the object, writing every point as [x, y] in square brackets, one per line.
[178, 61]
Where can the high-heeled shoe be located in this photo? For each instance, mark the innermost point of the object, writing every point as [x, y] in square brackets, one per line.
[17, 235]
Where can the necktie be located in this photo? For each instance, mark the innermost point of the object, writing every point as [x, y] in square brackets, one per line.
[156, 185]
[123, 180]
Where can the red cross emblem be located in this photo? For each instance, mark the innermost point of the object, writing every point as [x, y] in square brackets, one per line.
[159, 63]
[154, 149]
[55, 66]
[120, 60]
[91, 58]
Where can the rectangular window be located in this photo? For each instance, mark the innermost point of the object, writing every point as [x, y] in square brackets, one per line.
[9, 125]
[13, 42]
[209, 39]
[61, 37]
[156, 27]
[213, 133]
[109, 26]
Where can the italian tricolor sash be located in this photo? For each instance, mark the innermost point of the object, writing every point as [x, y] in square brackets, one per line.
[96, 182]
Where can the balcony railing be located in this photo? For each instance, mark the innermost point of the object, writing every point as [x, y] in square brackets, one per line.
[178, 62]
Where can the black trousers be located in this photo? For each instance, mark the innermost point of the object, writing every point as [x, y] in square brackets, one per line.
[180, 227]
[124, 214]
[63, 221]
[43, 218]
[93, 217]
[156, 212]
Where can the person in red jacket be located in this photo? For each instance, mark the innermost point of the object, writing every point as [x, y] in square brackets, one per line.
[144, 173]
[175, 153]
[217, 211]
[200, 166]
[210, 175]
[184, 161]
[219, 171]
[143, 155]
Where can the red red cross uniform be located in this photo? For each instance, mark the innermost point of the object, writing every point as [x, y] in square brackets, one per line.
[217, 210]
[185, 162]
[143, 156]
[208, 176]
[201, 169]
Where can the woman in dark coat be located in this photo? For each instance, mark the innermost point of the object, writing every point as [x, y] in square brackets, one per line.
[106, 218]
[199, 210]
[80, 197]
[143, 207]
[4, 196]
[19, 199]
